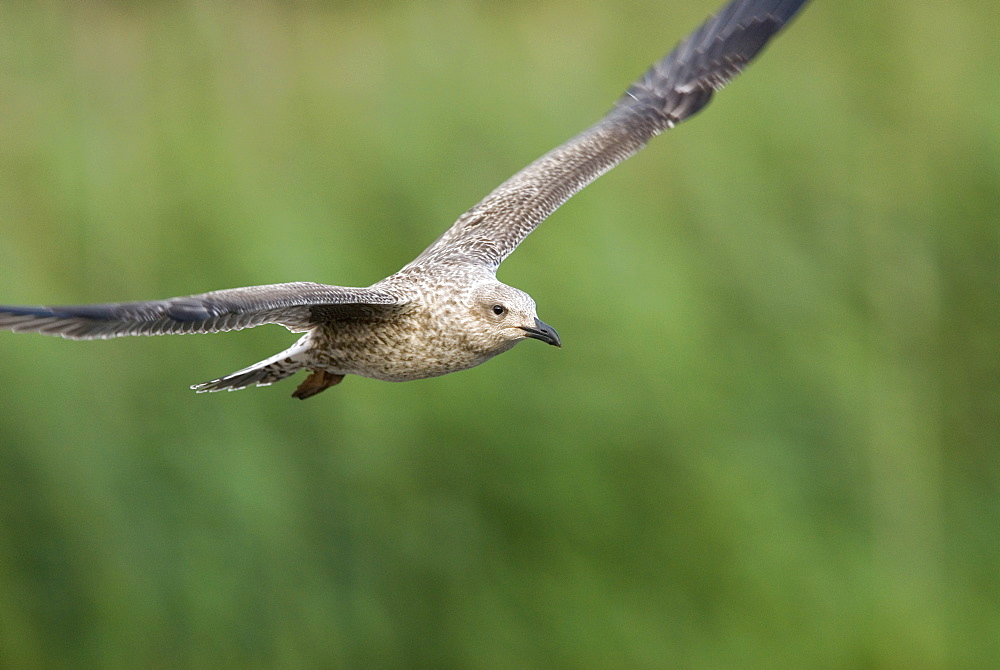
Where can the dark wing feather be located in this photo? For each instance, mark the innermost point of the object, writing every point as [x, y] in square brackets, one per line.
[297, 306]
[674, 89]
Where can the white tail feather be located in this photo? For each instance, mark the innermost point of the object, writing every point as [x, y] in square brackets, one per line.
[274, 369]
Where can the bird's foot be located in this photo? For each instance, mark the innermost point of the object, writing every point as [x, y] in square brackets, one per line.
[318, 381]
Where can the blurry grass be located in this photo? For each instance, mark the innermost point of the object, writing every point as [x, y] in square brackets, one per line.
[769, 442]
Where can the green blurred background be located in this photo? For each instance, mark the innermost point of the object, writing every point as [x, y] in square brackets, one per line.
[770, 439]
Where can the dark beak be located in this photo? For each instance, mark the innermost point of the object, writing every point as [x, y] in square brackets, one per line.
[544, 332]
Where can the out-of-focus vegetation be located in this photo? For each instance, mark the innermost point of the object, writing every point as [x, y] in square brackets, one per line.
[771, 437]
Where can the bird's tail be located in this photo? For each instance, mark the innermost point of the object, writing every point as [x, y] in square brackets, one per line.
[265, 373]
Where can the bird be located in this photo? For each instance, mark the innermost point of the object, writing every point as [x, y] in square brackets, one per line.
[445, 311]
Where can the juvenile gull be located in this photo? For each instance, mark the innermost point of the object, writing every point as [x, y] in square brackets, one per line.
[445, 311]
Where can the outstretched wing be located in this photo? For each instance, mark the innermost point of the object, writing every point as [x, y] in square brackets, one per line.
[298, 306]
[674, 89]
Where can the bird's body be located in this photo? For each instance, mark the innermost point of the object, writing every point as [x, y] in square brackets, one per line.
[440, 323]
[445, 311]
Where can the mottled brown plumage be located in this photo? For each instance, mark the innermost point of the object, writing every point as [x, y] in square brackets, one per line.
[445, 311]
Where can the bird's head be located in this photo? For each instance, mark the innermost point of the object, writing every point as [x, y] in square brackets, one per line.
[502, 316]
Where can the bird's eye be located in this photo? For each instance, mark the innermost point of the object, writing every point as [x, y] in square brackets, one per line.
[499, 310]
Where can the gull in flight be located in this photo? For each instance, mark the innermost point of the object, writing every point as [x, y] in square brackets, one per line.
[445, 311]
